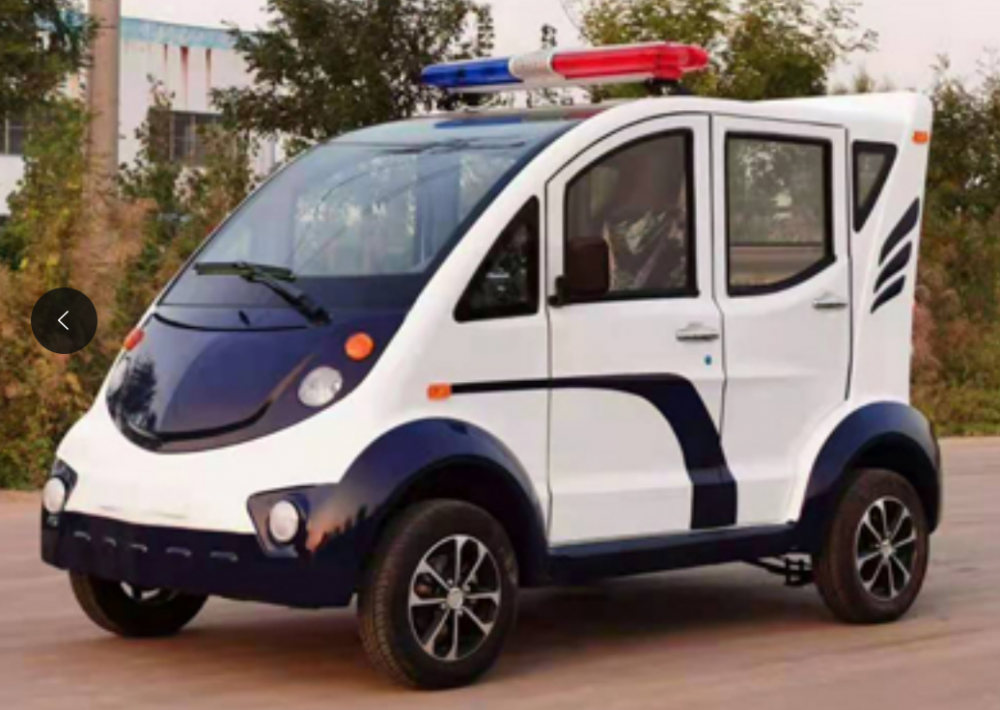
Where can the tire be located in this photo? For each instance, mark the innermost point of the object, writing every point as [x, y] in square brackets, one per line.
[416, 645]
[862, 579]
[131, 612]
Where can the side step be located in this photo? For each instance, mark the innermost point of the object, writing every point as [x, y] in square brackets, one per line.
[797, 571]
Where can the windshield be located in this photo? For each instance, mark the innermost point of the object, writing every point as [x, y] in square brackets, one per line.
[363, 221]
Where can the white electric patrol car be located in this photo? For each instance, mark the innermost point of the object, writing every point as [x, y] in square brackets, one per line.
[436, 361]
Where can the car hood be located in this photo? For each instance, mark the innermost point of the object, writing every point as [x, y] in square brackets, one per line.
[205, 378]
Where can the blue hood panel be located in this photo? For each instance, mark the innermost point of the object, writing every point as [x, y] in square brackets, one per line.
[200, 381]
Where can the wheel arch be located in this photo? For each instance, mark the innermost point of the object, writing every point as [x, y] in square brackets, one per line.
[886, 435]
[432, 458]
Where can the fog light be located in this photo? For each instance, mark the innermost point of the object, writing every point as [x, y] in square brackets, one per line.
[320, 386]
[54, 496]
[283, 522]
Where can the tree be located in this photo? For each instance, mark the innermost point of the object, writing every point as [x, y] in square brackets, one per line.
[761, 49]
[41, 43]
[323, 67]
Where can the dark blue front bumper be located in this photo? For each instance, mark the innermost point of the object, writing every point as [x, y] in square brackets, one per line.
[197, 562]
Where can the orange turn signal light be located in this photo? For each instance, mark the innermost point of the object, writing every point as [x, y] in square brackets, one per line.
[133, 339]
[438, 391]
[359, 346]
[922, 137]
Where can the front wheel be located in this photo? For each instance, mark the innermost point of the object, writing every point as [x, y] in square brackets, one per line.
[440, 596]
[874, 560]
[131, 611]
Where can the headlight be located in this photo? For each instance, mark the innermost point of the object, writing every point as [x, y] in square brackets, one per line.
[320, 386]
[54, 496]
[283, 522]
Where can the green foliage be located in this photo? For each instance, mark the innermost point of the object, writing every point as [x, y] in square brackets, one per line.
[324, 67]
[761, 49]
[183, 205]
[41, 42]
[957, 373]
[163, 214]
[40, 393]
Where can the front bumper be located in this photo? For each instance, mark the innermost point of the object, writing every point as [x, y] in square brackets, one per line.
[222, 564]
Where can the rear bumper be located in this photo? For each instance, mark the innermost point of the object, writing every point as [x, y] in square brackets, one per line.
[229, 565]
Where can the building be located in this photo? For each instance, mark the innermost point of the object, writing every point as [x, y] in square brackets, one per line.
[188, 61]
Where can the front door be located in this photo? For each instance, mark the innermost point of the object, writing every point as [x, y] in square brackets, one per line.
[782, 279]
[637, 372]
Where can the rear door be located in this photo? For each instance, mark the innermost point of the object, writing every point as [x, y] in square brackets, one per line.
[636, 367]
[782, 280]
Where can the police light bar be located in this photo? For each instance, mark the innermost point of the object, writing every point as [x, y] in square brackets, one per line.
[616, 64]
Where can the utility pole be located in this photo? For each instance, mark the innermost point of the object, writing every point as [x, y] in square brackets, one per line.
[102, 94]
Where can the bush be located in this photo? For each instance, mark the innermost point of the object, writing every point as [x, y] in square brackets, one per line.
[121, 257]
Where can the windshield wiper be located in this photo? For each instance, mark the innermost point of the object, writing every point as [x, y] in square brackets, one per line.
[276, 278]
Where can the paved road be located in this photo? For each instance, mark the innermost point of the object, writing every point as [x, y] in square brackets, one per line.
[728, 637]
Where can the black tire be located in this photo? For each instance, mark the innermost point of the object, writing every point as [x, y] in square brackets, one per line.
[392, 637]
[861, 579]
[134, 613]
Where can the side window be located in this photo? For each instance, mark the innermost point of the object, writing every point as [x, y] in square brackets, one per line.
[506, 283]
[629, 223]
[779, 212]
[872, 164]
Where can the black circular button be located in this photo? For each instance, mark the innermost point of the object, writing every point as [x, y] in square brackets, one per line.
[64, 321]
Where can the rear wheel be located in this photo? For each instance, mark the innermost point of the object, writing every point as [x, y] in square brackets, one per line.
[440, 597]
[874, 561]
[134, 612]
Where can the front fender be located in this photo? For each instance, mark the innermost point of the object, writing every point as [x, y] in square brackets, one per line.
[344, 519]
[881, 435]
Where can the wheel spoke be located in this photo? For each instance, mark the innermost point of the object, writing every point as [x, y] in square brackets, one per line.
[902, 568]
[417, 601]
[871, 582]
[885, 519]
[492, 596]
[892, 579]
[912, 538]
[425, 568]
[868, 557]
[481, 549]
[483, 626]
[867, 523]
[459, 543]
[429, 641]
[453, 651]
[904, 516]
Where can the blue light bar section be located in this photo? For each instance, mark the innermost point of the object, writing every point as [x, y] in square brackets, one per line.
[478, 72]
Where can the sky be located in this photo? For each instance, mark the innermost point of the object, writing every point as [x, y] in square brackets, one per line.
[912, 33]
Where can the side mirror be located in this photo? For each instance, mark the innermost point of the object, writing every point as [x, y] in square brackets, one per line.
[588, 270]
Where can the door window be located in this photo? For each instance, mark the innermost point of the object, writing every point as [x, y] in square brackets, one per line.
[506, 284]
[779, 212]
[872, 164]
[629, 223]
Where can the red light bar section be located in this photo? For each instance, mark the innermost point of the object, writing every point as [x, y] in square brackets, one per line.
[660, 60]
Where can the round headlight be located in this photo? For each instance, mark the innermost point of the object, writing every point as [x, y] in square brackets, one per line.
[283, 522]
[320, 386]
[54, 496]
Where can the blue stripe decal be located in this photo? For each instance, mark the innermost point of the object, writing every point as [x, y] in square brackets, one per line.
[906, 225]
[898, 263]
[715, 495]
[894, 289]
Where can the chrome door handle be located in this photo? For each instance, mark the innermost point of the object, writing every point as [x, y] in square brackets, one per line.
[697, 333]
[830, 302]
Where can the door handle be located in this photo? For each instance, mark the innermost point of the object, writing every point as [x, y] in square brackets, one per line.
[697, 333]
[830, 302]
